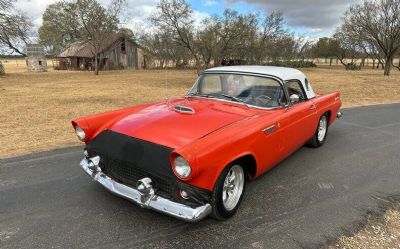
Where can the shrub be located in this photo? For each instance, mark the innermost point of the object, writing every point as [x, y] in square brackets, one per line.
[294, 64]
[352, 66]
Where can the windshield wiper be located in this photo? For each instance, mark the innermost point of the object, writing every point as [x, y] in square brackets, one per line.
[201, 95]
[235, 99]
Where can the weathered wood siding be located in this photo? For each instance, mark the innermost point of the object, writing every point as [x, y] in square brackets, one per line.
[117, 58]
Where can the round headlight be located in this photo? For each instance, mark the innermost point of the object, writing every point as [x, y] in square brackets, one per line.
[80, 133]
[182, 167]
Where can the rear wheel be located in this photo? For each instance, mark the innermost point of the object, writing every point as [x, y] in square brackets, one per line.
[228, 192]
[320, 134]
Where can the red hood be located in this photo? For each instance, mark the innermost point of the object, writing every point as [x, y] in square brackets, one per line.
[162, 124]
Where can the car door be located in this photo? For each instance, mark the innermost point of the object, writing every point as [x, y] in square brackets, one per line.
[303, 117]
[271, 139]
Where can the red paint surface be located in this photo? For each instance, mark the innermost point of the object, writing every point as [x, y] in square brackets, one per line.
[218, 132]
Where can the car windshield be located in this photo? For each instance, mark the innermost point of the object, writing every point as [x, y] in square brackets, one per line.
[251, 90]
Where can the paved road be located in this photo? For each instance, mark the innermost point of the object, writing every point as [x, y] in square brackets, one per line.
[46, 201]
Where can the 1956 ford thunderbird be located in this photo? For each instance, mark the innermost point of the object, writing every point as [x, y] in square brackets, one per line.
[191, 157]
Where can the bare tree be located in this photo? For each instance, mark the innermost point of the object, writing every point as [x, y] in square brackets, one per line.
[15, 27]
[175, 16]
[162, 47]
[208, 41]
[231, 36]
[379, 20]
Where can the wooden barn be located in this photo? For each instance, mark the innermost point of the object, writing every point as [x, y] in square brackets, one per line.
[117, 52]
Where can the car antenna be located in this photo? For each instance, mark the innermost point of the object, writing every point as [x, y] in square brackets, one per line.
[166, 83]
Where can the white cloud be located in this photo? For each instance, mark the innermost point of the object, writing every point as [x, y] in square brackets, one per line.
[304, 13]
[209, 3]
[34, 9]
[199, 16]
[137, 13]
[315, 30]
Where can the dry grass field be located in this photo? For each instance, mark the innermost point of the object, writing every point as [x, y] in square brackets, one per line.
[36, 108]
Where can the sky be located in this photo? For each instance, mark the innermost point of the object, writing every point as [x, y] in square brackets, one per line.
[308, 18]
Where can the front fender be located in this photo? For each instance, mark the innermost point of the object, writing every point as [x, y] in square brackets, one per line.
[94, 124]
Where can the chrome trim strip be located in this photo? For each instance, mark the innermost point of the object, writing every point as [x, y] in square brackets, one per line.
[184, 109]
[149, 199]
[239, 103]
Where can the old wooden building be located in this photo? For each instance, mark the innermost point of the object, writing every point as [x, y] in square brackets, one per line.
[117, 52]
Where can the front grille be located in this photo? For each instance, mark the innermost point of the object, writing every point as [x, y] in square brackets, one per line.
[127, 159]
[129, 174]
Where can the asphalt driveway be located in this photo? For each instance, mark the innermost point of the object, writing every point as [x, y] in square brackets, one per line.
[47, 201]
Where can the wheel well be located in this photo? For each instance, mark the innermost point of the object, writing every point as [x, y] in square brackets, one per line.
[249, 164]
[328, 115]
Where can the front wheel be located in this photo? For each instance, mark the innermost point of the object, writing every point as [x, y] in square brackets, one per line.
[228, 192]
[320, 134]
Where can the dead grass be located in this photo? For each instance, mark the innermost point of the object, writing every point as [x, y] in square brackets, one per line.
[379, 233]
[36, 108]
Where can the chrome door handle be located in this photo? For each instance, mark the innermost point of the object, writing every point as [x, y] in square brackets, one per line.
[270, 129]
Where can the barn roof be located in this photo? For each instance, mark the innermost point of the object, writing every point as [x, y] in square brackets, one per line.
[84, 49]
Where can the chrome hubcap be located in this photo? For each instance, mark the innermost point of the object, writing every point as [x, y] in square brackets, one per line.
[233, 187]
[322, 128]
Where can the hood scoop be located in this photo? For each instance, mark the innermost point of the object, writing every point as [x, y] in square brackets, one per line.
[184, 109]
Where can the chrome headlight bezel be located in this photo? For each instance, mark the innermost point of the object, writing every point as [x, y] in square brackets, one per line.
[80, 133]
[182, 167]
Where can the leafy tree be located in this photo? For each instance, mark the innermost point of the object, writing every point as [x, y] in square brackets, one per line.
[322, 48]
[59, 26]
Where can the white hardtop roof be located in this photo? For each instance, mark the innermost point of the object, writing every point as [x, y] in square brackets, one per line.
[283, 73]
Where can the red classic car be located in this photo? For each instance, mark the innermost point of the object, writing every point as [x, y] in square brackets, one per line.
[191, 157]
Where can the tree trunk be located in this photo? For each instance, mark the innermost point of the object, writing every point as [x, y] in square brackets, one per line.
[96, 65]
[198, 69]
[388, 66]
[2, 70]
[373, 63]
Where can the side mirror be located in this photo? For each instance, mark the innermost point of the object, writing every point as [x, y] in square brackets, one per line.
[294, 98]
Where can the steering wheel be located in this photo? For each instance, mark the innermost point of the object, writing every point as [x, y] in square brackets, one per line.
[263, 99]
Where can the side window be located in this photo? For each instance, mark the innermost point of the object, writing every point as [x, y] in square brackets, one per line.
[295, 87]
[211, 85]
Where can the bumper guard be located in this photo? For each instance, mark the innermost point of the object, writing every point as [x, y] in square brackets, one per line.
[145, 199]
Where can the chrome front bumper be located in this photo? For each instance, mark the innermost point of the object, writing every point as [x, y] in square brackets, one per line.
[146, 199]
